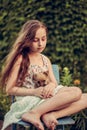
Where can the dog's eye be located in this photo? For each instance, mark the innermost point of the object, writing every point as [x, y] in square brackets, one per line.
[38, 82]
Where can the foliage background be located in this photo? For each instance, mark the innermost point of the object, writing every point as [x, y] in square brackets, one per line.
[67, 24]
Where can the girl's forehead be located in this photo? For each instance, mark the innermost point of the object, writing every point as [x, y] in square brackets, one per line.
[40, 32]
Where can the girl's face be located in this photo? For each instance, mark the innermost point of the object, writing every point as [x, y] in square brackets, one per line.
[39, 42]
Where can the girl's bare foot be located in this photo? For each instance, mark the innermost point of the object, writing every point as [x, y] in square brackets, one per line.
[34, 119]
[50, 121]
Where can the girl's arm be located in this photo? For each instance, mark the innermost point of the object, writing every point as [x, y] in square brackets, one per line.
[11, 89]
[48, 90]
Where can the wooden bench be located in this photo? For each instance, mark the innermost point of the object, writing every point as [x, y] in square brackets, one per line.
[62, 122]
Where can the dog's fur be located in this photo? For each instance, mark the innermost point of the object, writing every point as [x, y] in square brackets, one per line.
[41, 79]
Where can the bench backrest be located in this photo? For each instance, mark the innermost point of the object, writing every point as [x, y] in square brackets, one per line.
[56, 72]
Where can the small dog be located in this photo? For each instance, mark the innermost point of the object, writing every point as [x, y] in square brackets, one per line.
[41, 79]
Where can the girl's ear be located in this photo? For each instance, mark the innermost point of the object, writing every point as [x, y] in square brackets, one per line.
[46, 73]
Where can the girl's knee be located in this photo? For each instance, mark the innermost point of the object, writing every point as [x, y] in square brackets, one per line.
[74, 92]
[77, 92]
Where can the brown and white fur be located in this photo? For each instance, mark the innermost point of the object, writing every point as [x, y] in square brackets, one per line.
[41, 79]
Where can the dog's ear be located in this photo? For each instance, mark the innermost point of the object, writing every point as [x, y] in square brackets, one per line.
[46, 73]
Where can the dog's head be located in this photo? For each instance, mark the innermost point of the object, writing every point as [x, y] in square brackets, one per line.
[41, 79]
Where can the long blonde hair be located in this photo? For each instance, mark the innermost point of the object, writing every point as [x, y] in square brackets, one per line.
[21, 47]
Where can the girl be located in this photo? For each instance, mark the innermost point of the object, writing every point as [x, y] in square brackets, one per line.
[36, 104]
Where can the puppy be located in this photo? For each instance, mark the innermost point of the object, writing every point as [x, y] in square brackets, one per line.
[41, 79]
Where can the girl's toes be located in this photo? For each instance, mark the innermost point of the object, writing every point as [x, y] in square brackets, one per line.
[53, 125]
[39, 126]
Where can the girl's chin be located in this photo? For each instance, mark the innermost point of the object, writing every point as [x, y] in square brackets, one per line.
[40, 50]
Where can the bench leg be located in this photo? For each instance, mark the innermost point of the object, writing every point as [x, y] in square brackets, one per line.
[14, 126]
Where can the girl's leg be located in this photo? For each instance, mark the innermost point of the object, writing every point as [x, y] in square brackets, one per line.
[66, 96]
[50, 118]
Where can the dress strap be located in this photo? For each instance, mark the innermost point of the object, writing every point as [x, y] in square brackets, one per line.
[45, 62]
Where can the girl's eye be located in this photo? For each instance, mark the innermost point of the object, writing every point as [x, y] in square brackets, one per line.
[35, 40]
[43, 39]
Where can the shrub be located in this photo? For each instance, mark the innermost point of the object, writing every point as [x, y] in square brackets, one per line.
[5, 103]
[81, 117]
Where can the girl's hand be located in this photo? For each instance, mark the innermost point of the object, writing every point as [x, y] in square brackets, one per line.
[48, 91]
[39, 92]
[44, 92]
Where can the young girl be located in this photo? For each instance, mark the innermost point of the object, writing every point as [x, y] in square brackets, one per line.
[35, 104]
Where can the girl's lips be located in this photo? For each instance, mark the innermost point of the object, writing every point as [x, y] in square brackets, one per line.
[40, 48]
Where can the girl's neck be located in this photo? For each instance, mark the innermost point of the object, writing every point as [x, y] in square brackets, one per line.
[34, 54]
[36, 59]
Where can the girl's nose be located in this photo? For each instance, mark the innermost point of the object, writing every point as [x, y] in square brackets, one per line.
[40, 43]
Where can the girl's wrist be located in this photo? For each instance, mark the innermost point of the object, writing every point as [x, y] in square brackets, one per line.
[52, 85]
[31, 92]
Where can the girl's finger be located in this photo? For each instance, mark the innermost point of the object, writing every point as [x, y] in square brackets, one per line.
[49, 93]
